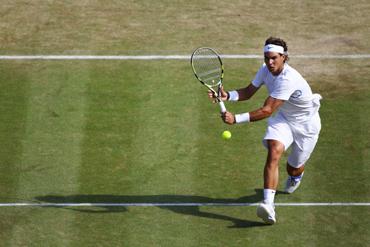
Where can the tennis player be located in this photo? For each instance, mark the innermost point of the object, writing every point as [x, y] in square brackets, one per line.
[293, 112]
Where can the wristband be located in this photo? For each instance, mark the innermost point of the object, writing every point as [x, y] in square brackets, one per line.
[242, 118]
[233, 95]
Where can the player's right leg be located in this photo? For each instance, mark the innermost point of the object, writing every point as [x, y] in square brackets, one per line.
[266, 210]
[277, 139]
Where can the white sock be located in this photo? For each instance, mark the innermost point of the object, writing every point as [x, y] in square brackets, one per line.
[269, 196]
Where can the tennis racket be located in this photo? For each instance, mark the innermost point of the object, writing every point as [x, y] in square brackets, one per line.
[208, 69]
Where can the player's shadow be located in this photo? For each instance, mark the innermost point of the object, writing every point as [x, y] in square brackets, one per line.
[194, 210]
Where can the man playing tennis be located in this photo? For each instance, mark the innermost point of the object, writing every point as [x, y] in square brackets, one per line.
[296, 121]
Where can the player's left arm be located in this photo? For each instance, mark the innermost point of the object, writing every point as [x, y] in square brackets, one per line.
[269, 107]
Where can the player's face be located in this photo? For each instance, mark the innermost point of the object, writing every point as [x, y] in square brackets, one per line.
[274, 62]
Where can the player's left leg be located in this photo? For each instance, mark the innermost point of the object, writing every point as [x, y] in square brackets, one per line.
[301, 152]
[305, 139]
[294, 179]
[293, 171]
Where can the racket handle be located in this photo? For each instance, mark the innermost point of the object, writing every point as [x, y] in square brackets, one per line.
[222, 106]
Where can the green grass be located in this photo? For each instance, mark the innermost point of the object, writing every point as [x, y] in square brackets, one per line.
[87, 132]
[144, 131]
[209, 226]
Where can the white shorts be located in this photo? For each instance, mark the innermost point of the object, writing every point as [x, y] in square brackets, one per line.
[302, 138]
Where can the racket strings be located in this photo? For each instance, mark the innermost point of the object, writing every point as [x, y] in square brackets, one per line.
[207, 66]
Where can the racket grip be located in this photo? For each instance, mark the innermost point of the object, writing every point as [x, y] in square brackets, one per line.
[222, 106]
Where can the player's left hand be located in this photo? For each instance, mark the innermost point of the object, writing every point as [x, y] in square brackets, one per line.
[228, 118]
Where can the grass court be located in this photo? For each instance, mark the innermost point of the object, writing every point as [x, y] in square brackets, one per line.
[143, 131]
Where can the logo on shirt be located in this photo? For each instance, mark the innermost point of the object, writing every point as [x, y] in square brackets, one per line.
[297, 94]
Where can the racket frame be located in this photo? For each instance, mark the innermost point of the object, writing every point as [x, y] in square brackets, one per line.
[217, 93]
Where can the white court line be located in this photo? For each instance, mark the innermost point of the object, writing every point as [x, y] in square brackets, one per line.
[169, 57]
[303, 204]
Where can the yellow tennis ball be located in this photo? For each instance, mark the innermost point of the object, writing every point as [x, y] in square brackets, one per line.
[226, 135]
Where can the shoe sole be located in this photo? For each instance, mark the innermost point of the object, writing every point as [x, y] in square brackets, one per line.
[263, 213]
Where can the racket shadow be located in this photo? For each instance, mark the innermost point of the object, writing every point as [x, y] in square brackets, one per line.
[177, 200]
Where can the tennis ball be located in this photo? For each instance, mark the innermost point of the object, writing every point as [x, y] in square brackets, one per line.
[226, 135]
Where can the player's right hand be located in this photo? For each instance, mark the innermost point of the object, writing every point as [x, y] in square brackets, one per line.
[212, 96]
[224, 94]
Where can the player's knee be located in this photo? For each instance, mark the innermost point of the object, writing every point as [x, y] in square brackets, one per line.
[275, 148]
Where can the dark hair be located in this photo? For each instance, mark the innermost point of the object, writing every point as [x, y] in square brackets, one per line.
[280, 42]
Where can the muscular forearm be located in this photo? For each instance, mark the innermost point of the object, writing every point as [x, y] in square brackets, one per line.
[242, 93]
[270, 106]
[261, 113]
[252, 116]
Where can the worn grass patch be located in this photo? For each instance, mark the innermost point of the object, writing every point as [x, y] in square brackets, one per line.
[152, 27]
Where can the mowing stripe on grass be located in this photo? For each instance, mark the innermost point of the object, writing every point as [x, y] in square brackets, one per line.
[54, 131]
[171, 57]
[195, 204]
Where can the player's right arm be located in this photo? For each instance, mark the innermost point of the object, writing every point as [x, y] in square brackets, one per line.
[246, 93]
[243, 93]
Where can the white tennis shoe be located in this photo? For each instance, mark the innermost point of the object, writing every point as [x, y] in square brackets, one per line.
[292, 183]
[266, 212]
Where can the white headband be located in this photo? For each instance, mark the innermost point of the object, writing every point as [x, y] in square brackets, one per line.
[274, 48]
